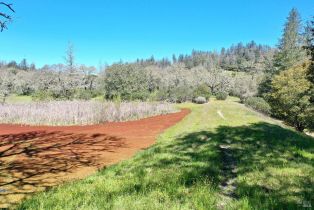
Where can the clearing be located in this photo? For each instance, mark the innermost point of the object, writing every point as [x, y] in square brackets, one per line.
[33, 158]
[245, 161]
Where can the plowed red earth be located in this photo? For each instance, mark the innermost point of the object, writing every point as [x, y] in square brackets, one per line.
[33, 158]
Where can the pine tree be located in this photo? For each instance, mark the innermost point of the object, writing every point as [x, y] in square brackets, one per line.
[70, 58]
[291, 51]
[174, 58]
[310, 48]
[23, 65]
[310, 72]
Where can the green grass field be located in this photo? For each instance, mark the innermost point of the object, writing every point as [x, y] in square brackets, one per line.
[13, 99]
[221, 156]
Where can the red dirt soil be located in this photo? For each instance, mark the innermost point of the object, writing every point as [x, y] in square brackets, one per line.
[33, 158]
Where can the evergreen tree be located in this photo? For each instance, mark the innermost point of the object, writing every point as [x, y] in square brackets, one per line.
[310, 72]
[291, 51]
[70, 58]
[23, 65]
[310, 48]
[290, 98]
[174, 58]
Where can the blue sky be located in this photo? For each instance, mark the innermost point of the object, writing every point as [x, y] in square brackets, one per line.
[109, 30]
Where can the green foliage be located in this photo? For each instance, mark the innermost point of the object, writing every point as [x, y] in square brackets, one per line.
[310, 48]
[258, 104]
[117, 99]
[265, 86]
[221, 96]
[203, 91]
[13, 99]
[42, 95]
[83, 94]
[290, 91]
[180, 94]
[128, 81]
[290, 51]
[162, 94]
[290, 98]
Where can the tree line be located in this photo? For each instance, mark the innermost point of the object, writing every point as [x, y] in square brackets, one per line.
[274, 80]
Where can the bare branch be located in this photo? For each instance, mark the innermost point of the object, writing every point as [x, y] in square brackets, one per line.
[3, 23]
[8, 6]
[5, 15]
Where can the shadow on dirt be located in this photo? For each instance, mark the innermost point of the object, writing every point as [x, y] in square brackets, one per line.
[37, 160]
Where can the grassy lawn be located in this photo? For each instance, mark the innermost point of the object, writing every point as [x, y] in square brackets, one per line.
[13, 99]
[221, 156]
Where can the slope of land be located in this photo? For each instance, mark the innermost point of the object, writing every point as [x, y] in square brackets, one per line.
[239, 161]
[33, 158]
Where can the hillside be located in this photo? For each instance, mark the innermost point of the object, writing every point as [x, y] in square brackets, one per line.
[222, 155]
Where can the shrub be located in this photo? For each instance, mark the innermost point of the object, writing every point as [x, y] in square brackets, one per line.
[181, 94]
[200, 100]
[221, 96]
[203, 91]
[175, 95]
[258, 104]
[42, 95]
[83, 94]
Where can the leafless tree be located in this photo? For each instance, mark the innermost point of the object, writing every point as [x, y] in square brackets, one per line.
[5, 17]
[6, 85]
[218, 81]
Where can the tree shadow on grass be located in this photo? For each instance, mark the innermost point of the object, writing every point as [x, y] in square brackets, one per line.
[36, 160]
[274, 165]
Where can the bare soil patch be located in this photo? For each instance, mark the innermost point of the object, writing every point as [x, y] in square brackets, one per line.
[33, 158]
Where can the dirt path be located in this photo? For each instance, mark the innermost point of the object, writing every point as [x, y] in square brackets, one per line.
[33, 158]
[220, 114]
[228, 185]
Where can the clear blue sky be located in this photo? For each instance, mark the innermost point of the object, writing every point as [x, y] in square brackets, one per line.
[109, 30]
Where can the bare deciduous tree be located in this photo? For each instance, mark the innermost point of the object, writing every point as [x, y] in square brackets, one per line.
[5, 17]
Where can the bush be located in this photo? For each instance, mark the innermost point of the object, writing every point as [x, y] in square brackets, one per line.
[42, 95]
[203, 91]
[83, 94]
[175, 95]
[221, 96]
[200, 100]
[181, 94]
[258, 104]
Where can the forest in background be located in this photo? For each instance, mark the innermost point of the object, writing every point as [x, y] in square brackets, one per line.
[274, 80]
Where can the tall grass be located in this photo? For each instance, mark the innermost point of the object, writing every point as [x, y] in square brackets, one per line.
[79, 112]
